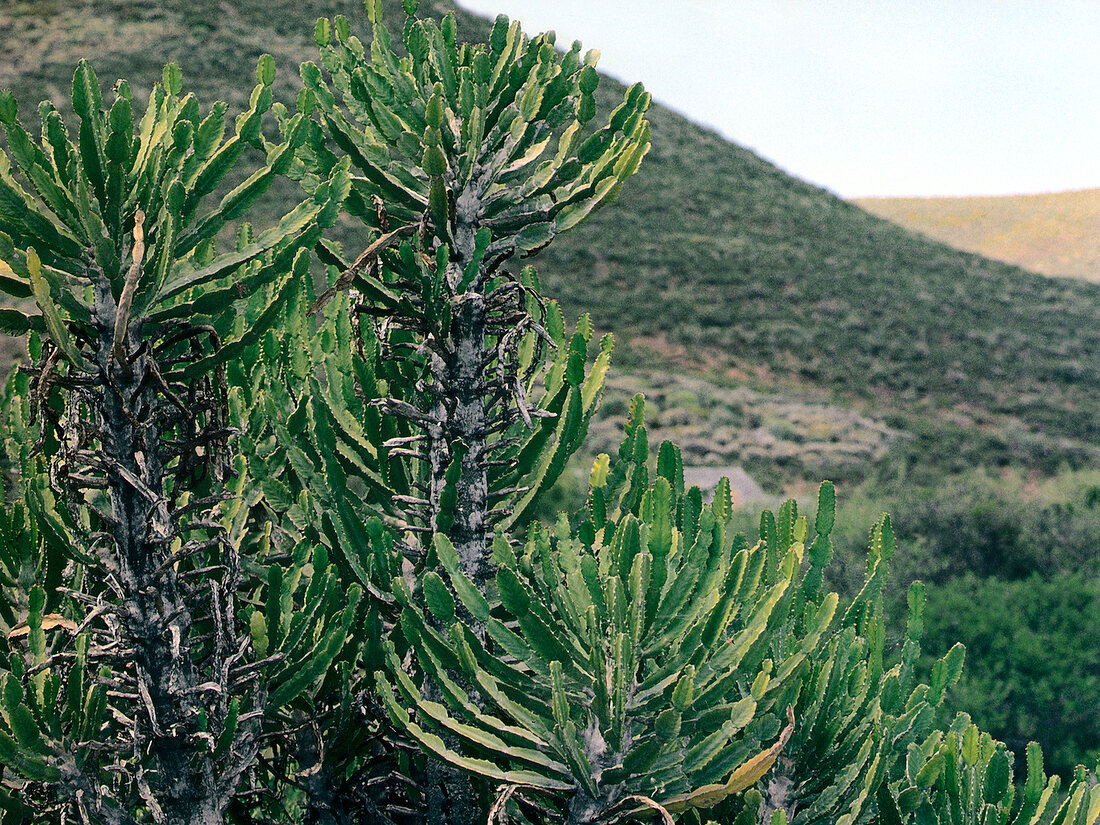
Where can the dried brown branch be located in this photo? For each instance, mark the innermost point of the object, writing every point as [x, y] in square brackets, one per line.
[366, 258]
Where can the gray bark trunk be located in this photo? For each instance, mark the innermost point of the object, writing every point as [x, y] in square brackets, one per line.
[468, 427]
[463, 402]
[156, 617]
[450, 795]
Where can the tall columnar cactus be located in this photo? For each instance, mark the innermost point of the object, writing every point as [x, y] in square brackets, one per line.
[464, 157]
[328, 409]
[140, 689]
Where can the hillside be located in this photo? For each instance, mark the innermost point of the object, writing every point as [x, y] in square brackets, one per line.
[713, 262]
[1054, 234]
[717, 256]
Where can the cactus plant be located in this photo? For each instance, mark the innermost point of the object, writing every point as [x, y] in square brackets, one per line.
[621, 669]
[858, 716]
[356, 389]
[466, 156]
[141, 681]
[963, 775]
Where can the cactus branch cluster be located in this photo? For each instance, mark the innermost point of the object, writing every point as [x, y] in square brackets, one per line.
[453, 144]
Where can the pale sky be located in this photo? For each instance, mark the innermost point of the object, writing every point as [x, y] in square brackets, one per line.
[865, 97]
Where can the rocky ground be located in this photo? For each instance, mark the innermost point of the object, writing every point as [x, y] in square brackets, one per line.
[729, 430]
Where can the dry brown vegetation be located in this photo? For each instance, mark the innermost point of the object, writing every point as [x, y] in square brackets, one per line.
[1052, 234]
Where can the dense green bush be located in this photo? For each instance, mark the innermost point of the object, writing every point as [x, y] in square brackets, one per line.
[1014, 564]
[1003, 526]
[1033, 670]
[1000, 525]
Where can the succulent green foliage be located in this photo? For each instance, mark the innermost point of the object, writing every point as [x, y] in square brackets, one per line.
[962, 776]
[357, 419]
[474, 136]
[31, 628]
[338, 401]
[117, 214]
[62, 728]
[464, 156]
[632, 660]
[314, 473]
[309, 438]
[857, 716]
[200, 629]
[571, 609]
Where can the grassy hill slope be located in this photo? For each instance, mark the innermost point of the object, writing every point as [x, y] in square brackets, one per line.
[713, 259]
[1055, 233]
[754, 273]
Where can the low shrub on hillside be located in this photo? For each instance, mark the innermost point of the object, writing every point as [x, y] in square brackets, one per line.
[1000, 525]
